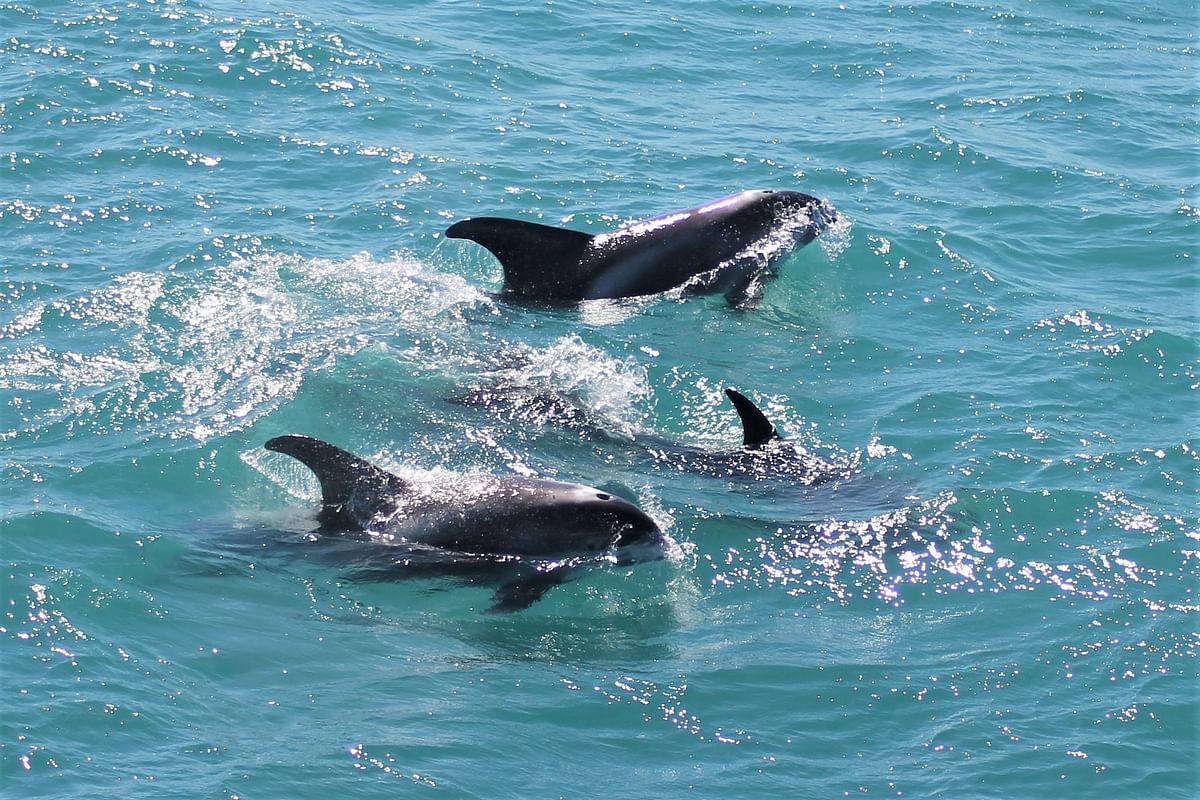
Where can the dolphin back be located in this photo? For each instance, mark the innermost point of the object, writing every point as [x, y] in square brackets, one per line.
[757, 430]
[539, 261]
[350, 485]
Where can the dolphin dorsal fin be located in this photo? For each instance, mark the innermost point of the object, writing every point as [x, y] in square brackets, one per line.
[757, 430]
[345, 478]
[538, 260]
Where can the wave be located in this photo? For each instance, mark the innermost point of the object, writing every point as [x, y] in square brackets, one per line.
[197, 355]
[1068, 543]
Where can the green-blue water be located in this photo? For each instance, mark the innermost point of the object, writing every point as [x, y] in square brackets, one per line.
[222, 222]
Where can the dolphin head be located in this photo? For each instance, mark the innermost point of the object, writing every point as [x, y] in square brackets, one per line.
[767, 222]
[634, 527]
[574, 518]
[781, 208]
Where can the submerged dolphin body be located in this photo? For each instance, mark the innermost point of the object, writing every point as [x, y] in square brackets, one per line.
[764, 453]
[726, 245]
[528, 533]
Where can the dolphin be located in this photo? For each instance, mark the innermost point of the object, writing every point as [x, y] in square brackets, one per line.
[724, 245]
[530, 533]
[764, 452]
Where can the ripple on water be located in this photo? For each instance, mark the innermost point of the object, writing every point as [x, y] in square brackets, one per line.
[968, 543]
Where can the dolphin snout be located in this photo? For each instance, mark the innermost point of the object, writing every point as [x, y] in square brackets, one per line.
[824, 213]
[630, 524]
[634, 526]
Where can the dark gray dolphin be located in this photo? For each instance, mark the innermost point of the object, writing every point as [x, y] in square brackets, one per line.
[725, 245]
[764, 453]
[531, 533]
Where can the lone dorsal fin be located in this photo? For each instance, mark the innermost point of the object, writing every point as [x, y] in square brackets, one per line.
[538, 260]
[345, 478]
[757, 430]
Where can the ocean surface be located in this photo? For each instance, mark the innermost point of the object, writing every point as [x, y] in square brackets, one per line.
[223, 221]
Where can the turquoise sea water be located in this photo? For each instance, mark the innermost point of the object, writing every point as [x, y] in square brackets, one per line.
[222, 222]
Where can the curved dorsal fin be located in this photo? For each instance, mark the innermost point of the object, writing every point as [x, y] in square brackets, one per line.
[345, 478]
[757, 430]
[539, 261]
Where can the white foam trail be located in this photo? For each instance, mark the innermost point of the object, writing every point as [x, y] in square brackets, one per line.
[199, 354]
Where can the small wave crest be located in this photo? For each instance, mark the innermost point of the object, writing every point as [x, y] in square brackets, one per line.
[566, 382]
[200, 354]
[971, 542]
